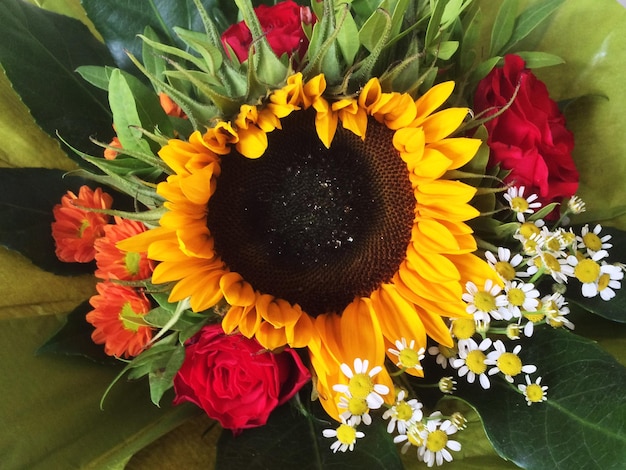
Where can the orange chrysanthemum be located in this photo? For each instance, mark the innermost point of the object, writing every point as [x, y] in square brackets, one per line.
[170, 107]
[110, 153]
[118, 320]
[112, 263]
[76, 228]
[343, 239]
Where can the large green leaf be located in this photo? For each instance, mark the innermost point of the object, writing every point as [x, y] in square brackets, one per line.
[581, 424]
[291, 439]
[49, 407]
[40, 51]
[120, 21]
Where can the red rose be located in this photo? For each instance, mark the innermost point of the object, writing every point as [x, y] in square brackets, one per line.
[282, 25]
[234, 380]
[529, 138]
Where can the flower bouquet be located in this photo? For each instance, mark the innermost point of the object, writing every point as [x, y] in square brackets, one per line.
[373, 233]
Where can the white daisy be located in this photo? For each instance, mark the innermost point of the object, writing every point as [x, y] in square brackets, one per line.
[520, 296]
[553, 264]
[486, 302]
[508, 363]
[519, 204]
[597, 278]
[471, 361]
[504, 264]
[555, 308]
[361, 385]
[356, 410]
[346, 437]
[592, 240]
[407, 356]
[437, 445]
[403, 413]
[534, 392]
[576, 205]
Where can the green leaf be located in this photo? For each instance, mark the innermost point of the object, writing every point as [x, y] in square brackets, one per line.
[293, 439]
[136, 106]
[581, 424]
[529, 19]
[538, 59]
[40, 52]
[96, 75]
[27, 196]
[120, 21]
[503, 26]
[74, 339]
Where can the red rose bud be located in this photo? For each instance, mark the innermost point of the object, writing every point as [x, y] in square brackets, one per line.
[234, 380]
[529, 138]
[282, 26]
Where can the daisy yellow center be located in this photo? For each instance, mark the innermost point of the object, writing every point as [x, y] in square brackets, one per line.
[436, 440]
[505, 270]
[534, 317]
[357, 406]
[553, 244]
[360, 385]
[346, 434]
[130, 319]
[587, 271]
[603, 282]
[403, 411]
[551, 263]
[414, 434]
[408, 358]
[484, 301]
[519, 204]
[312, 225]
[527, 229]
[131, 262]
[463, 328]
[516, 296]
[475, 361]
[534, 393]
[510, 364]
[592, 241]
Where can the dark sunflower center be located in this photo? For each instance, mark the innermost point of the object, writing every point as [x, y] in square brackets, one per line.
[314, 226]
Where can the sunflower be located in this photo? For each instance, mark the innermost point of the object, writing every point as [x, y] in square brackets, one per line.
[343, 239]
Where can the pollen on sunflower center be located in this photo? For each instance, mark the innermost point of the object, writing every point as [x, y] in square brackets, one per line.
[314, 226]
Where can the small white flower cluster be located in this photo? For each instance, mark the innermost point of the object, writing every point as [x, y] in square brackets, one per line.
[429, 434]
[511, 304]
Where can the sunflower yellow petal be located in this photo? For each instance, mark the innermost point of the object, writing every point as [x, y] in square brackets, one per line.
[443, 123]
[237, 291]
[252, 142]
[432, 100]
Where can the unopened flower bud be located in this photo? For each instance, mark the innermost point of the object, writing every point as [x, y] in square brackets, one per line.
[447, 385]
[458, 420]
